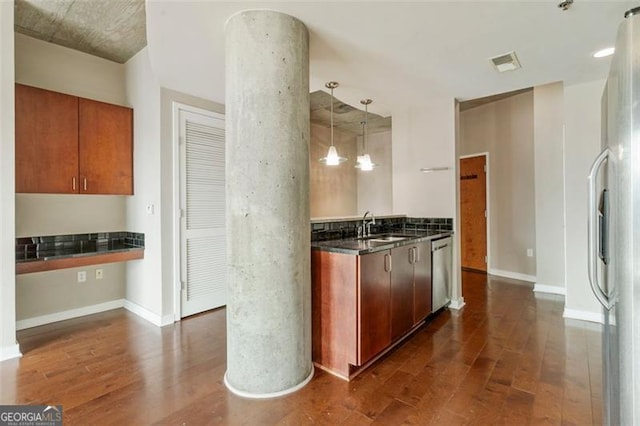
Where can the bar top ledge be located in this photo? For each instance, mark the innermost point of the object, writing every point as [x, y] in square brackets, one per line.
[47, 253]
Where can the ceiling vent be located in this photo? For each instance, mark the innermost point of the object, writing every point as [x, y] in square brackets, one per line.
[506, 62]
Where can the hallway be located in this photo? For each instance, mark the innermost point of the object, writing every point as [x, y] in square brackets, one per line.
[507, 357]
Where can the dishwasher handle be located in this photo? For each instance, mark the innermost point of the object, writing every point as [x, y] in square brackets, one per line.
[440, 244]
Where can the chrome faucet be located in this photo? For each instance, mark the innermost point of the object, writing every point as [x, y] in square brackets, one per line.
[366, 225]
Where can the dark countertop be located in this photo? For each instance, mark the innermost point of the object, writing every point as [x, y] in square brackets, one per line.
[32, 249]
[79, 252]
[358, 246]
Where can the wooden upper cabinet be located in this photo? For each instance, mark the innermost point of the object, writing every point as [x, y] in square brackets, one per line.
[105, 148]
[46, 141]
[71, 145]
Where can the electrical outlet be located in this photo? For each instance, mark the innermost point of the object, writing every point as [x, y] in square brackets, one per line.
[529, 252]
[99, 274]
[151, 209]
[82, 276]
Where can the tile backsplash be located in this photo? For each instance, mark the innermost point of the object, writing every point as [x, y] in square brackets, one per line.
[334, 230]
[60, 245]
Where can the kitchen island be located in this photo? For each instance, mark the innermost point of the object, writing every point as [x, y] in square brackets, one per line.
[368, 295]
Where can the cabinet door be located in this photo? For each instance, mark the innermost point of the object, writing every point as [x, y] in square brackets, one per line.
[46, 141]
[422, 282]
[106, 148]
[401, 291]
[374, 326]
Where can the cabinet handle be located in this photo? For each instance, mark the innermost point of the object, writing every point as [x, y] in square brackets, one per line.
[417, 254]
[386, 263]
[73, 183]
[85, 184]
[412, 255]
[390, 262]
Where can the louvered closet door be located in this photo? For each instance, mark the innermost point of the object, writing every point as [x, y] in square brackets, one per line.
[203, 246]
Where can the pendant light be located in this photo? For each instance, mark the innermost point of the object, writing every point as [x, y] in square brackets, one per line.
[364, 161]
[332, 158]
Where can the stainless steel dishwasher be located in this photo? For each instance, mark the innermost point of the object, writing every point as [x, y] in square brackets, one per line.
[440, 272]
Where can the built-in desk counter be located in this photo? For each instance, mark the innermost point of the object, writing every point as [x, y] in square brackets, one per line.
[47, 253]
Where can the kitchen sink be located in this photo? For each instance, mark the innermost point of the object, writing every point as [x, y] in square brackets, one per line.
[386, 239]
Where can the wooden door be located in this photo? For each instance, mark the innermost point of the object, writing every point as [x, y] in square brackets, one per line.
[105, 148]
[473, 212]
[374, 326]
[46, 141]
[401, 291]
[421, 282]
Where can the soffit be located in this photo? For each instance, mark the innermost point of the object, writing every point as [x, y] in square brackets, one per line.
[113, 29]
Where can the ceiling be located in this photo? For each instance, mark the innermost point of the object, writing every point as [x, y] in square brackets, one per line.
[113, 29]
[400, 54]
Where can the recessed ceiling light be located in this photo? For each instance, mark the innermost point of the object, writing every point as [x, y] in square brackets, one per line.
[604, 52]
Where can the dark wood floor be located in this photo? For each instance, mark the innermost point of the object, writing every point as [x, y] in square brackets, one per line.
[508, 357]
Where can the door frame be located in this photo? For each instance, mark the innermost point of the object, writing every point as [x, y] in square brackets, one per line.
[176, 108]
[487, 194]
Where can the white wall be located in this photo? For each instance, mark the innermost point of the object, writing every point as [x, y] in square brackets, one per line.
[53, 67]
[582, 111]
[504, 129]
[424, 137]
[144, 277]
[151, 281]
[375, 187]
[57, 68]
[427, 136]
[548, 116]
[8, 345]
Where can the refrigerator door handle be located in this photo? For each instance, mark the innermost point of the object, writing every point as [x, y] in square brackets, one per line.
[593, 231]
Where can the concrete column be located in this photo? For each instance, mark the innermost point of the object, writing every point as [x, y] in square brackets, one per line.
[267, 172]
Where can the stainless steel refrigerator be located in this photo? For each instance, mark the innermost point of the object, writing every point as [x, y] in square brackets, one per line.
[614, 228]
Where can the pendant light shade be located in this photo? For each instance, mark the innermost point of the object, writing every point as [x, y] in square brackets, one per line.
[364, 162]
[332, 158]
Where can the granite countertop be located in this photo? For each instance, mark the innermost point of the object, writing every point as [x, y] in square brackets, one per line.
[372, 244]
[31, 249]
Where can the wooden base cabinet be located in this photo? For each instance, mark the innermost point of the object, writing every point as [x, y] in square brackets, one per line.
[334, 308]
[71, 145]
[401, 291]
[363, 305]
[373, 296]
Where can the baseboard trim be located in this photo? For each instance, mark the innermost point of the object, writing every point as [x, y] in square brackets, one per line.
[71, 313]
[512, 275]
[457, 304]
[583, 315]
[146, 314]
[10, 352]
[553, 289]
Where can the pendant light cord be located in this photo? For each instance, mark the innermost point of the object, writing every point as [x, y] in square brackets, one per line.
[365, 124]
[331, 115]
[366, 128]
